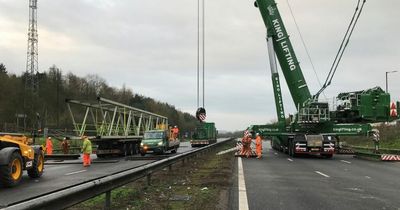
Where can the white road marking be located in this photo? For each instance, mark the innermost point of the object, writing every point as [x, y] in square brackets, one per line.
[322, 174]
[76, 172]
[226, 151]
[345, 161]
[275, 153]
[243, 202]
[290, 160]
[367, 177]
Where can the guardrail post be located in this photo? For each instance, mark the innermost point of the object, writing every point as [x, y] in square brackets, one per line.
[107, 205]
[148, 177]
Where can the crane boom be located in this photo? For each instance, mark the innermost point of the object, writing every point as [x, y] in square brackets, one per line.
[286, 56]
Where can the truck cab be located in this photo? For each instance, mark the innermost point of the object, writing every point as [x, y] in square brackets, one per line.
[158, 142]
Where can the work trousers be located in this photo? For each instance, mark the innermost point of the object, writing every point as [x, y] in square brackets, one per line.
[86, 159]
[49, 150]
[259, 150]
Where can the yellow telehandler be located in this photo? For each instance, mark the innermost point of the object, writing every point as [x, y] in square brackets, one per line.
[16, 155]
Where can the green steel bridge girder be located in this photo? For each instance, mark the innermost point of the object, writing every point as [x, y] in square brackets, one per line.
[106, 118]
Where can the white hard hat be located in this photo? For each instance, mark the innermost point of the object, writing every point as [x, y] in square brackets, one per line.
[257, 134]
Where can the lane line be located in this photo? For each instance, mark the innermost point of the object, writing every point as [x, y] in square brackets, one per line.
[243, 202]
[290, 160]
[345, 161]
[76, 172]
[322, 174]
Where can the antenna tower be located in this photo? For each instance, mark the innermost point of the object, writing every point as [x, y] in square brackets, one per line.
[31, 81]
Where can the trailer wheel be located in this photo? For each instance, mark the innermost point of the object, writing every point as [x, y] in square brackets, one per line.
[37, 166]
[101, 155]
[131, 149]
[11, 173]
[125, 149]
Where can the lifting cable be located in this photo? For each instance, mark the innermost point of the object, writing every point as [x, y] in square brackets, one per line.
[202, 49]
[304, 45]
[198, 53]
[342, 47]
[204, 38]
[201, 112]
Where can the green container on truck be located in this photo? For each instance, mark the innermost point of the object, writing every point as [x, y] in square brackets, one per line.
[158, 142]
[205, 134]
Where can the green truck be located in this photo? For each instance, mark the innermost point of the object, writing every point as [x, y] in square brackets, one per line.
[158, 142]
[205, 134]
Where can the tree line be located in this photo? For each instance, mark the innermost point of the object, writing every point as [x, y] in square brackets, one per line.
[27, 109]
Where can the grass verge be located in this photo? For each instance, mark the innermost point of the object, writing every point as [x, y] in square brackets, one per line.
[203, 182]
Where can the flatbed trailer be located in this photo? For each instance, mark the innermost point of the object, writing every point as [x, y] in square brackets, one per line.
[115, 128]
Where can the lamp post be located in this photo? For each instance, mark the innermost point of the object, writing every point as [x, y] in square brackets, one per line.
[388, 72]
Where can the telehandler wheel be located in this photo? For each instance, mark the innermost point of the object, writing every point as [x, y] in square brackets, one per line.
[11, 174]
[37, 166]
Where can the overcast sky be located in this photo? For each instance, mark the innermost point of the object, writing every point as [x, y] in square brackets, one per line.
[151, 47]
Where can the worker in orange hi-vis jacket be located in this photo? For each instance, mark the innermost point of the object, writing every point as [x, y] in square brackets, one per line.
[258, 145]
[175, 132]
[49, 146]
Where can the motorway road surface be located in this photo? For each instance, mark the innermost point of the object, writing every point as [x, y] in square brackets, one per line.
[59, 176]
[343, 182]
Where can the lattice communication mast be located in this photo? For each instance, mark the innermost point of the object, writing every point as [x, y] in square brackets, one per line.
[31, 81]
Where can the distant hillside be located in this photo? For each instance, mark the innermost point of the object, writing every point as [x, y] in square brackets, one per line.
[55, 87]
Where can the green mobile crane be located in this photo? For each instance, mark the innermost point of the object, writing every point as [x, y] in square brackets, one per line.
[315, 129]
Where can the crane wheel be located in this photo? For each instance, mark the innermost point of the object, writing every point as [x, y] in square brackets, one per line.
[37, 166]
[11, 173]
[328, 156]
